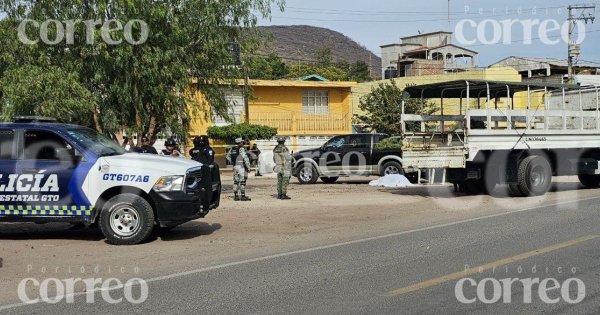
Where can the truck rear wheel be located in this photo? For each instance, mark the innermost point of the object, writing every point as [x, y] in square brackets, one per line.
[126, 219]
[589, 180]
[535, 176]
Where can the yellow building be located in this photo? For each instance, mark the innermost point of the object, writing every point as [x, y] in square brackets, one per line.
[306, 111]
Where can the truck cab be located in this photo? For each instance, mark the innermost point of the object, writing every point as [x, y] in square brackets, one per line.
[52, 172]
[345, 155]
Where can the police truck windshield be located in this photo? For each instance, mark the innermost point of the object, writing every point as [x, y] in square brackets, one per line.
[96, 142]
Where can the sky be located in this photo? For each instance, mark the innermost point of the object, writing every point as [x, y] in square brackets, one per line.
[378, 22]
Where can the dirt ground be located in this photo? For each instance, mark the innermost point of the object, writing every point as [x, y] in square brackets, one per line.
[317, 215]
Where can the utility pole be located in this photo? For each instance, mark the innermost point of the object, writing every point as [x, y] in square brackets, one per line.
[574, 50]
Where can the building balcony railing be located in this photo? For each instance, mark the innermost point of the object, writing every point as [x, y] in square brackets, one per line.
[457, 65]
[299, 123]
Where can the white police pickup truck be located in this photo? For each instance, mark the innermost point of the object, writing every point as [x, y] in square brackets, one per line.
[52, 172]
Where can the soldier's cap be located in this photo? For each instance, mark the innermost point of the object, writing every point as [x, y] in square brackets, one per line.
[281, 139]
[238, 140]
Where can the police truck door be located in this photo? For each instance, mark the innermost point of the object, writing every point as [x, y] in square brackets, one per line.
[8, 154]
[53, 175]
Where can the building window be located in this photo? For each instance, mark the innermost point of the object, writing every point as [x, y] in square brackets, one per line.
[405, 70]
[315, 102]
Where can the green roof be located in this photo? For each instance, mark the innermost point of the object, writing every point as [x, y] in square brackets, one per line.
[314, 77]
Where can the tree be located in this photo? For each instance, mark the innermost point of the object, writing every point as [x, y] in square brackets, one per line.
[331, 73]
[340, 71]
[383, 107]
[30, 90]
[360, 72]
[324, 57]
[143, 89]
[269, 67]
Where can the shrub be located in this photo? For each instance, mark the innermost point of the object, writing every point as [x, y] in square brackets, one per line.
[243, 130]
[391, 143]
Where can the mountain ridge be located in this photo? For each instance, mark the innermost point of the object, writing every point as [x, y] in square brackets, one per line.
[300, 43]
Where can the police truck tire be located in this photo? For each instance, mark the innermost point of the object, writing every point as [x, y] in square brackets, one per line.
[535, 175]
[329, 180]
[307, 174]
[126, 219]
[589, 180]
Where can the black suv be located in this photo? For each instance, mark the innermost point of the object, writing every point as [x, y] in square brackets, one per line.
[345, 155]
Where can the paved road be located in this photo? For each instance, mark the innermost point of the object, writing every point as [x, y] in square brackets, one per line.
[405, 272]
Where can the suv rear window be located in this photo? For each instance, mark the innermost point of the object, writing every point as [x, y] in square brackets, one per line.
[6, 144]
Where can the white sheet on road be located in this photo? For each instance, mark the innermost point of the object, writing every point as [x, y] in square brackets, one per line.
[393, 181]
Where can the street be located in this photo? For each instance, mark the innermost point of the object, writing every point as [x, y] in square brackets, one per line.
[340, 248]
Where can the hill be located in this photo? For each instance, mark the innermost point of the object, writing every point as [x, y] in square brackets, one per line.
[299, 43]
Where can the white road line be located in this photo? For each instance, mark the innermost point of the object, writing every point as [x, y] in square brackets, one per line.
[318, 248]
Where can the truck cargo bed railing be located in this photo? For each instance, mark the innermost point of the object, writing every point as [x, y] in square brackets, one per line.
[491, 117]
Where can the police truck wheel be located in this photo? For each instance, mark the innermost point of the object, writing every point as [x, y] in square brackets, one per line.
[329, 180]
[307, 174]
[535, 176]
[391, 168]
[589, 180]
[126, 219]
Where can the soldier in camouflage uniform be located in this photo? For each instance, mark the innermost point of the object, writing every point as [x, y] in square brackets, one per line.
[283, 168]
[238, 157]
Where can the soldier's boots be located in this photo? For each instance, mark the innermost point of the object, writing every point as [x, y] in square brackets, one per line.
[236, 197]
[244, 198]
[284, 197]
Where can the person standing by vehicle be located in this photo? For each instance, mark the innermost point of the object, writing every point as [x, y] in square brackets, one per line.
[255, 155]
[283, 167]
[238, 157]
[146, 147]
[202, 152]
[172, 149]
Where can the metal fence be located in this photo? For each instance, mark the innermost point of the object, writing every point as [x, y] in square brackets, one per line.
[304, 123]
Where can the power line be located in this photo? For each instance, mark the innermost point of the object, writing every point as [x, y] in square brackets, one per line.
[526, 39]
[367, 12]
[477, 17]
[590, 61]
